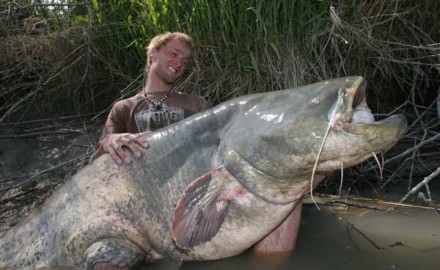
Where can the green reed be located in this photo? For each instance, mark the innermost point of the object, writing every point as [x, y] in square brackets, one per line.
[243, 46]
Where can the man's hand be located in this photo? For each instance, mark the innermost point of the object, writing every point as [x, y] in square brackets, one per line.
[114, 145]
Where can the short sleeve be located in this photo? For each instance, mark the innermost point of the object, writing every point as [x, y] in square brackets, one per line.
[115, 122]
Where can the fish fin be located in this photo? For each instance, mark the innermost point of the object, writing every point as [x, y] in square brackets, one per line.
[202, 209]
[112, 252]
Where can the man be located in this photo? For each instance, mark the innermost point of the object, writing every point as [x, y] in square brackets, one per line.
[157, 105]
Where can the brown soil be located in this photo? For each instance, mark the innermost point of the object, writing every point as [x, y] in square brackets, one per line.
[36, 158]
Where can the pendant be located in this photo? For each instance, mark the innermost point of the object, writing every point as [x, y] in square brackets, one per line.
[158, 105]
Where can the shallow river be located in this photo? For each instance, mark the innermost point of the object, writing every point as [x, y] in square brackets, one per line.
[361, 239]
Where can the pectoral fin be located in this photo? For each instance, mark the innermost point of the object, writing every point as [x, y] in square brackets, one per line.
[203, 208]
[112, 253]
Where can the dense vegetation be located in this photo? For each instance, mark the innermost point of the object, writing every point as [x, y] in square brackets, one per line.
[75, 57]
[68, 58]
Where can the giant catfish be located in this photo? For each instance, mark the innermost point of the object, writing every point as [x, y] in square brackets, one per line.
[208, 187]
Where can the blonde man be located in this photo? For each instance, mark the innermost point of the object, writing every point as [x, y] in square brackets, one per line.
[157, 105]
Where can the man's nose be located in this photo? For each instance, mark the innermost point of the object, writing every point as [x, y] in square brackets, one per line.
[180, 63]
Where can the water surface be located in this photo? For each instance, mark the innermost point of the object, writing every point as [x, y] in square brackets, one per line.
[334, 238]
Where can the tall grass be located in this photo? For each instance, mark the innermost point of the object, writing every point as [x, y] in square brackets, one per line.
[243, 47]
[254, 46]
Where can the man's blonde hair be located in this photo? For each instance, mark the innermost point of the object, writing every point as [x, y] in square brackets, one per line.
[160, 40]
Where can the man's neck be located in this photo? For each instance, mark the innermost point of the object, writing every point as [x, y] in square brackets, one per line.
[154, 86]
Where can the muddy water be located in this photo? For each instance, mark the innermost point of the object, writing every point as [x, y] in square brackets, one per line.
[359, 239]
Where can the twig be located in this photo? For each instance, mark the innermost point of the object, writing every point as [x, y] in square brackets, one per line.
[11, 198]
[438, 102]
[429, 193]
[420, 116]
[368, 203]
[351, 226]
[408, 151]
[391, 178]
[412, 169]
[421, 184]
[41, 133]
[47, 120]
[13, 107]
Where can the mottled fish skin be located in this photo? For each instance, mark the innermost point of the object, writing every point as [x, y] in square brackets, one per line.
[208, 187]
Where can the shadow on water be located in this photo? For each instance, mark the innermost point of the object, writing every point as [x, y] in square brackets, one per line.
[336, 239]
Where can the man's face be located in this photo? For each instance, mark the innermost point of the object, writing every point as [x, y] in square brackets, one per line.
[170, 61]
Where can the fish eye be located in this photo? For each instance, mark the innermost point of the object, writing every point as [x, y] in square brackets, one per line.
[315, 100]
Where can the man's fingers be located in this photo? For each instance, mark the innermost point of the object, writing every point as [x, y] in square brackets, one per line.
[116, 143]
[134, 148]
[142, 142]
[115, 157]
[117, 153]
[123, 154]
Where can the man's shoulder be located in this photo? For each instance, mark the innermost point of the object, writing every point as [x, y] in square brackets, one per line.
[190, 97]
[128, 102]
[187, 95]
[197, 102]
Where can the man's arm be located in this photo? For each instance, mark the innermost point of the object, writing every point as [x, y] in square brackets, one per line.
[115, 138]
[114, 145]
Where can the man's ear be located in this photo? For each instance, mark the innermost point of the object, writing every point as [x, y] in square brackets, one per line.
[153, 54]
[152, 57]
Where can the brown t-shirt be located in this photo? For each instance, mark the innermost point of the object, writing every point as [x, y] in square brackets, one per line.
[136, 114]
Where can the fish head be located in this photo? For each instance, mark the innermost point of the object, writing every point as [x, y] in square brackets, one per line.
[285, 135]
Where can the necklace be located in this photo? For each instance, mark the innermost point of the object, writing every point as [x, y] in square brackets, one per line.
[158, 104]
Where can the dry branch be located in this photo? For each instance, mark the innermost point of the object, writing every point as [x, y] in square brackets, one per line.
[362, 202]
[16, 105]
[421, 184]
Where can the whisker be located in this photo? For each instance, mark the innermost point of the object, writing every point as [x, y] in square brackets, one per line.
[330, 124]
[380, 165]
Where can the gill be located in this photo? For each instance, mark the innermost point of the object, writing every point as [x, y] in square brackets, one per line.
[331, 122]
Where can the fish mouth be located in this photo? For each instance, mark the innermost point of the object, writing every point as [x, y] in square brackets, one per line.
[351, 114]
[354, 134]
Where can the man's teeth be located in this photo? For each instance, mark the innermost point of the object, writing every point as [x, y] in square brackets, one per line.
[172, 69]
